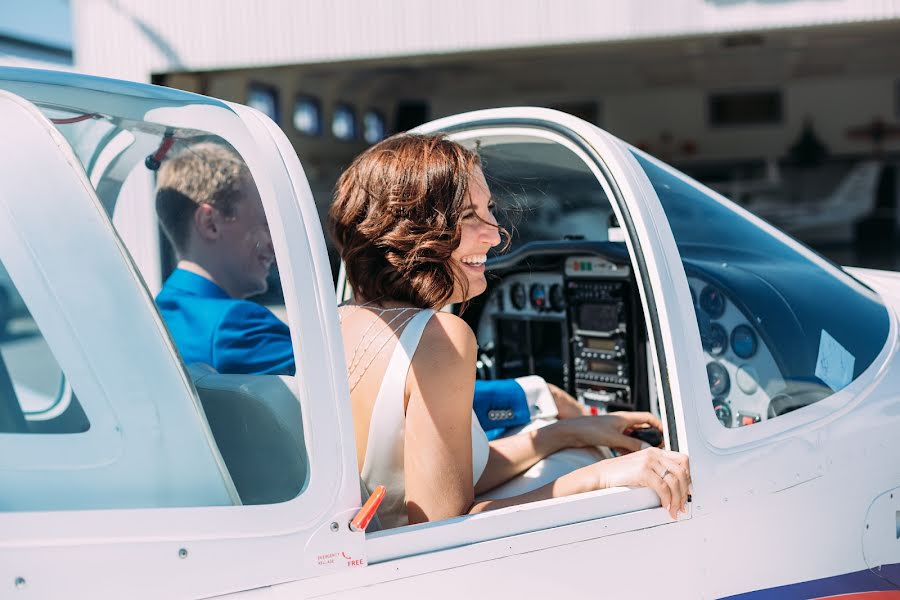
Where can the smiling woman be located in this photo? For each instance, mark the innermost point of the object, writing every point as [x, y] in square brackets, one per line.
[479, 233]
[412, 218]
[413, 214]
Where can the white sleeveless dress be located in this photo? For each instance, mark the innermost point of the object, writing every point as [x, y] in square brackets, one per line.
[383, 463]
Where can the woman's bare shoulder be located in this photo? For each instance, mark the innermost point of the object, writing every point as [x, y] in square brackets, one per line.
[443, 367]
[447, 337]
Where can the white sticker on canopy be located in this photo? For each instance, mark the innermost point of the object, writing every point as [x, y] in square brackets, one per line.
[834, 365]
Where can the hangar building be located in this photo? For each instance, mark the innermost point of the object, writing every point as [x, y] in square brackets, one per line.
[724, 89]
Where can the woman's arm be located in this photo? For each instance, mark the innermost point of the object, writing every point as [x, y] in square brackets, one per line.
[514, 454]
[438, 446]
[667, 473]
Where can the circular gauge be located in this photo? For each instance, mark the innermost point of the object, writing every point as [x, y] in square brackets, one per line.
[712, 301]
[719, 382]
[743, 341]
[723, 411]
[517, 296]
[557, 301]
[747, 379]
[716, 340]
[538, 295]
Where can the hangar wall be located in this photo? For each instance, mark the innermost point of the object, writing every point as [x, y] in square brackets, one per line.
[640, 117]
[131, 39]
[648, 66]
[831, 103]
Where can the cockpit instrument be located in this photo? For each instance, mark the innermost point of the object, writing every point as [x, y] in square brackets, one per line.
[538, 296]
[712, 301]
[723, 411]
[716, 340]
[517, 296]
[719, 382]
[743, 341]
[557, 300]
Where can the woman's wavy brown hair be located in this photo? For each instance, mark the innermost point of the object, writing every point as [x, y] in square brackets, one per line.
[395, 219]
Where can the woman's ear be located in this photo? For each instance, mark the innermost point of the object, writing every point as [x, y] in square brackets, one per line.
[206, 223]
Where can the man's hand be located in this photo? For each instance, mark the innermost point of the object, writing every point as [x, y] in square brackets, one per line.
[567, 406]
[610, 430]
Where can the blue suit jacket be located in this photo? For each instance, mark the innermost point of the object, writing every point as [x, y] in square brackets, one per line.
[239, 336]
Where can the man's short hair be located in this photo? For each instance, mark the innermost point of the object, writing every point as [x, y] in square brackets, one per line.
[204, 173]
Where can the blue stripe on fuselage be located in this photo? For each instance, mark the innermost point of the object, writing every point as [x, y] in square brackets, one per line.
[878, 580]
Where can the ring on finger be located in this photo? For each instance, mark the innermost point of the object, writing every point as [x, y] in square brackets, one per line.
[664, 473]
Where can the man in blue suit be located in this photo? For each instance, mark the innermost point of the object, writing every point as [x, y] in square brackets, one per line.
[211, 211]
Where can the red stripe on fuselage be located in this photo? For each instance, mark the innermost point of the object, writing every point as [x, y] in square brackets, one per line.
[884, 595]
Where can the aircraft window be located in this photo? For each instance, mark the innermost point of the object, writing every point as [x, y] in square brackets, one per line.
[34, 394]
[251, 402]
[772, 345]
[264, 98]
[565, 304]
[308, 115]
[374, 128]
[343, 122]
[544, 192]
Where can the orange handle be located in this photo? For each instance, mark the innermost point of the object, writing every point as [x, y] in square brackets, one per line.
[365, 514]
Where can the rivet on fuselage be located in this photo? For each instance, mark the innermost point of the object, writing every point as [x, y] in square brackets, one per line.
[182, 553]
[20, 583]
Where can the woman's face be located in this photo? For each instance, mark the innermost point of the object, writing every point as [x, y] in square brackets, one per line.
[479, 233]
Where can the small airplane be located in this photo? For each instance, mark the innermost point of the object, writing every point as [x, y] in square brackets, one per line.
[627, 283]
[833, 219]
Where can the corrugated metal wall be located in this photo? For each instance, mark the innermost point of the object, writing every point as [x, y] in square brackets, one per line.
[133, 38]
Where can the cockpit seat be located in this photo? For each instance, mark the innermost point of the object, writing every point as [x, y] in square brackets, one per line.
[257, 425]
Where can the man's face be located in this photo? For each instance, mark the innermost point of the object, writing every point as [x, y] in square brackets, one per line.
[246, 245]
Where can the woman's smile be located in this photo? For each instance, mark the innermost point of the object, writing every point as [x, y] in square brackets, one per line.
[478, 234]
[474, 262]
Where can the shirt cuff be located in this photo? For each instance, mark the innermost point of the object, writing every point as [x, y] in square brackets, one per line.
[538, 397]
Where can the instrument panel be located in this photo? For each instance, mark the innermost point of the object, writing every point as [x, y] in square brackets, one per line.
[743, 375]
[524, 332]
[575, 319]
[569, 321]
[530, 294]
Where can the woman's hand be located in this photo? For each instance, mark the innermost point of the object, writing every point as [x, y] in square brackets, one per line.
[607, 430]
[667, 473]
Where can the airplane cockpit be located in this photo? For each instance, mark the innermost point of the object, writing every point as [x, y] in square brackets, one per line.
[569, 312]
[564, 300]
